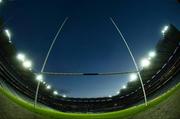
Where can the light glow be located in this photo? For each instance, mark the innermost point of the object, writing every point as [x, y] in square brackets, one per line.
[21, 57]
[165, 29]
[133, 77]
[8, 34]
[27, 64]
[55, 93]
[152, 54]
[145, 63]
[64, 96]
[118, 92]
[39, 77]
[124, 87]
[48, 87]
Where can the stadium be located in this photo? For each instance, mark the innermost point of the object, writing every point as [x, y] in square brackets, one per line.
[149, 87]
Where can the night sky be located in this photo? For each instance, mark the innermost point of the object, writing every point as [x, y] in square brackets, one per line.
[88, 42]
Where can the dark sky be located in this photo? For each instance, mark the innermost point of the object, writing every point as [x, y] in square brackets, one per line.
[88, 42]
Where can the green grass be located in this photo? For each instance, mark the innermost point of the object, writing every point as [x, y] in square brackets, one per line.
[49, 113]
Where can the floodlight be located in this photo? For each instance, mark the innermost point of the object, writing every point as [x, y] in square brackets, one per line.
[165, 29]
[48, 87]
[152, 54]
[1, 1]
[39, 77]
[145, 62]
[133, 77]
[124, 87]
[64, 96]
[117, 92]
[27, 64]
[55, 93]
[21, 57]
[8, 34]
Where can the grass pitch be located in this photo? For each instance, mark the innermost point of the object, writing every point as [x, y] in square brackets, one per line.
[122, 114]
